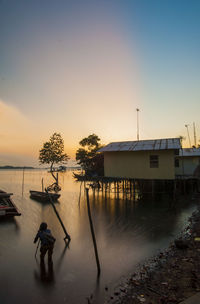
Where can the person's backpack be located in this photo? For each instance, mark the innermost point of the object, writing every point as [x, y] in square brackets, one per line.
[49, 238]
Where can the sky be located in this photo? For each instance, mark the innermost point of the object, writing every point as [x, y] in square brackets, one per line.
[81, 67]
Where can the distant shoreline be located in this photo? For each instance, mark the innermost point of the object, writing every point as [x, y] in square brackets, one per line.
[13, 167]
[26, 167]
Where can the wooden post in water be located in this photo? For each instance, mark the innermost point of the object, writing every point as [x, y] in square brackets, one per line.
[117, 190]
[153, 188]
[42, 185]
[67, 236]
[92, 232]
[106, 189]
[174, 190]
[23, 182]
[130, 185]
[102, 187]
[134, 190]
[79, 200]
[57, 178]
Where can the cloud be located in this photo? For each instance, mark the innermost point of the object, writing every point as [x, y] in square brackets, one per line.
[21, 138]
[15, 130]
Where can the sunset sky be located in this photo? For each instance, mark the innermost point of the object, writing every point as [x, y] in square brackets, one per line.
[83, 67]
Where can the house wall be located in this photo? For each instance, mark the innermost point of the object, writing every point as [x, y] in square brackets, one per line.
[187, 165]
[137, 164]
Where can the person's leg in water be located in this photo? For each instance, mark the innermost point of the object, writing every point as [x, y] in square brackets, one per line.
[50, 252]
[43, 250]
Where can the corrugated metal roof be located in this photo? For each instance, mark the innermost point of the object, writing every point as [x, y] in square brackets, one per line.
[143, 145]
[189, 152]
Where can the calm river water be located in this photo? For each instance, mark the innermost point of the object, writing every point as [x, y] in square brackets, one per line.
[127, 233]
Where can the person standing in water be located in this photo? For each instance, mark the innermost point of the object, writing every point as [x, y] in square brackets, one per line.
[47, 242]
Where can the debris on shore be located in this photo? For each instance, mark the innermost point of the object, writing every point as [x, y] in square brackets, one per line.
[170, 277]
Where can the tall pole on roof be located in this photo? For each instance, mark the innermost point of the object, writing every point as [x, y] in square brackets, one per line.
[188, 135]
[195, 138]
[137, 123]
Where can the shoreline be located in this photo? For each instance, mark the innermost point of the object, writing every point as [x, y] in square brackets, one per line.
[170, 277]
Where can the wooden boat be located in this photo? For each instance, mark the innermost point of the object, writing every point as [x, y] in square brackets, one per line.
[43, 196]
[7, 207]
[81, 177]
[59, 169]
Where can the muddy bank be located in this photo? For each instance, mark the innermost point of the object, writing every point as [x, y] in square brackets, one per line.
[170, 277]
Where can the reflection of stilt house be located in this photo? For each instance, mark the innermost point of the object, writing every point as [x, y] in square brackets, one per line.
[144, 159]
[187, 163]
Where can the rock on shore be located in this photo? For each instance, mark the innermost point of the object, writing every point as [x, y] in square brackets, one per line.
[169, 278]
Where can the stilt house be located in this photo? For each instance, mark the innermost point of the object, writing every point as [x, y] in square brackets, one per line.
[144, 159]
[188, 162]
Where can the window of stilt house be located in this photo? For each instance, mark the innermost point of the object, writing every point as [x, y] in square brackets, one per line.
[154, 161]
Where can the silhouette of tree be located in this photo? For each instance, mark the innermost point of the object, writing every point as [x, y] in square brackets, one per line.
[88, 157]
[52, 153]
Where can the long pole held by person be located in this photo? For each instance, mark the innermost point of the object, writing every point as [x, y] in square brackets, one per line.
[92, 232]
[37, 247]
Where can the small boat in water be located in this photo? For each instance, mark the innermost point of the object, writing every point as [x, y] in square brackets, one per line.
[44, 196]
[80, 177]
[59, 169]
[7, 207]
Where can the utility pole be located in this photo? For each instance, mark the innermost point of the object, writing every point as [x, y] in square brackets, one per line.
[188, 135]
[195, 138]
[137, 123]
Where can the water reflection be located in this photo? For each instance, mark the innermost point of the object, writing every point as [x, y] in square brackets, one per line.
[127, 232]
[45, 273]
[152, 218]
[10, 221]
[60, 260]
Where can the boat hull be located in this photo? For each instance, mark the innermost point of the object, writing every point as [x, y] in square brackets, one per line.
[7, 206]
[43, 196]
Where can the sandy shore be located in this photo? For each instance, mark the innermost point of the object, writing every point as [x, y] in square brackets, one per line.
[170, 277]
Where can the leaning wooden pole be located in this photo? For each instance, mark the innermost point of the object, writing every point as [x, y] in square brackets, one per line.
[67, 236]
[92, 232]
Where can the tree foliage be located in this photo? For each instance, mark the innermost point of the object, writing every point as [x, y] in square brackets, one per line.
[88, 157]
[53, 151]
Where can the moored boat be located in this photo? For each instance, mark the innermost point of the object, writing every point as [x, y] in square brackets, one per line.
[80, 177]
[7, 206]
[43, 196]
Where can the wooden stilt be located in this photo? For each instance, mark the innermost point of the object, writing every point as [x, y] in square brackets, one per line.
[152, 188]
[174, 190]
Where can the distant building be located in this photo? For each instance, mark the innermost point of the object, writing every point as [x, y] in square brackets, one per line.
[187, 161]
[144, 159]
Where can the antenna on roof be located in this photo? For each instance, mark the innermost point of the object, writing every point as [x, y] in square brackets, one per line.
[195, 138]
[188, 134]
[137, 123]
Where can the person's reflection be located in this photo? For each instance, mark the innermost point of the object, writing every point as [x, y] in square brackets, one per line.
[46, 274]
